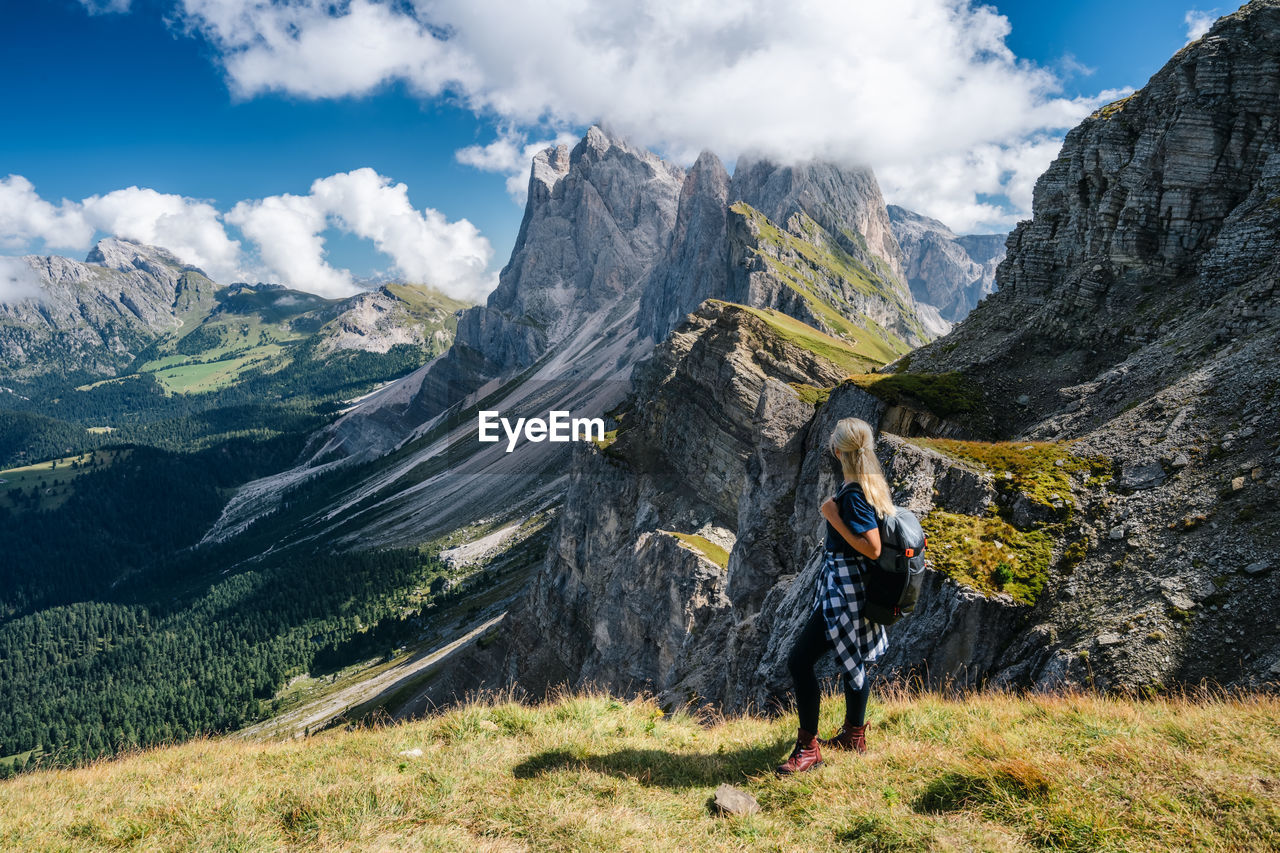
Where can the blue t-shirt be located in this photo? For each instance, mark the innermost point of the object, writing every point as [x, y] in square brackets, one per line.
[857, 513]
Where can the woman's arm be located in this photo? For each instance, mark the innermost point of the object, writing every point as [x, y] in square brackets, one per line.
[867, 544]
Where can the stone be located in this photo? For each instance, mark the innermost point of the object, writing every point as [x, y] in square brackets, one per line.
[1117, 533]
[733, 802]
[1258, 568]
[1024, 400]
[1237, 483]
[1109, 638]
[1136, 476]
[1180, 461]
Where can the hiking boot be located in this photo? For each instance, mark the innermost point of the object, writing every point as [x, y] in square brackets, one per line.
[850, 737]
[805, 756]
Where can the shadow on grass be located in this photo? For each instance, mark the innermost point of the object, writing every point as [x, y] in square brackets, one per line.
[661, 768]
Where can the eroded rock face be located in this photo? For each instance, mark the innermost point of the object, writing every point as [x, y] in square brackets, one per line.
[680, 464]
[717, 436]
[1137, 317]
[597, 218]
[948, 272]
[97, 315]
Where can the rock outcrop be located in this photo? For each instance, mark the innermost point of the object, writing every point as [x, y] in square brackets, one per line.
[951, 273]
[685, 559]
[1137, 317]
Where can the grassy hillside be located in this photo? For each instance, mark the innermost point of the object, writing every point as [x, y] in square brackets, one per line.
[990, 772]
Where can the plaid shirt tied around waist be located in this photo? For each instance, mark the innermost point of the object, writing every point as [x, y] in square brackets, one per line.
[841, 594]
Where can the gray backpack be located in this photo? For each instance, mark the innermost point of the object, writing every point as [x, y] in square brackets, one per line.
[893, 580]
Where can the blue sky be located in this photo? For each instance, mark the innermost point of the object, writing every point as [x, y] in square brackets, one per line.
[149, 97]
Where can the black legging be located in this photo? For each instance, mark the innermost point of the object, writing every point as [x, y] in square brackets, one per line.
[811, 645]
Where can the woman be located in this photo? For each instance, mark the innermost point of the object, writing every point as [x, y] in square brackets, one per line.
[837, 622]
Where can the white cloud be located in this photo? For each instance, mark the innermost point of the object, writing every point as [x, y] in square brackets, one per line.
[897, 86]
[17, 281]
[191, 229]
[301, 48]
[424, 246]
[510, 155]
[287, 230]
[26, 217]
[1198, 23]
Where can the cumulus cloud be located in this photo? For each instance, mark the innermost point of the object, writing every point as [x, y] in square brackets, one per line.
[510, 154]
[191, 229]
[17, 281]
[424, 246]
[26, 217]
[1198, 23]
[896, 86]
[287, 230]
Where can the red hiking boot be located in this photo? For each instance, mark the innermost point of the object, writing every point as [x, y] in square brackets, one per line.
[805, 756]
[850, 737]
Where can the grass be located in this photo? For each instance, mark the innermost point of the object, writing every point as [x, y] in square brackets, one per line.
[703, 546]
[590, 772]
[989, 554]
[943, 394]
[57, 475]
[212, 375]
[1114, 108]
[811, 394]
[820, 259]
[1042, 470]
[843, 354]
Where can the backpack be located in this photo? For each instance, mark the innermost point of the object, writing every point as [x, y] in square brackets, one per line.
[893, 580]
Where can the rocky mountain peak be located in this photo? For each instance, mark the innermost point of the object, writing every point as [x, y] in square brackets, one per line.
[1157, 205]
[549, 166]
[838, 198]
[126, 255]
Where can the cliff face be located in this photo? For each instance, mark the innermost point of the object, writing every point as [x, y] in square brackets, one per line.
[685, 559]
[97, 315]
[948, 272]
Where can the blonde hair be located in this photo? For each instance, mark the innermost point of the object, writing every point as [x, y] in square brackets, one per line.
[854, 443]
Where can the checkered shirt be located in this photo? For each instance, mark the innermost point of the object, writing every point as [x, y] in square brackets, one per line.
[840, 594]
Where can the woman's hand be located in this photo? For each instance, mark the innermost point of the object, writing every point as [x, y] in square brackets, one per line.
[830, 510]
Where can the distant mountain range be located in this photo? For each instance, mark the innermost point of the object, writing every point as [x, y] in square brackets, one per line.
[127, 300]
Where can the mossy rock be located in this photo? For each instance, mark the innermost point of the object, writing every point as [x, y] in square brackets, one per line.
[989, 554]
[945, 395]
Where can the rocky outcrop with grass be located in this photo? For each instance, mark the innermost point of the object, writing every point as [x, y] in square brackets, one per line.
[687, 551]
[1094, 448]
[1136, 319]
[811, 240]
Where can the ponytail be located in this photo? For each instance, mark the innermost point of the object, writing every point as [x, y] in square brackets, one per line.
[854, 444]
